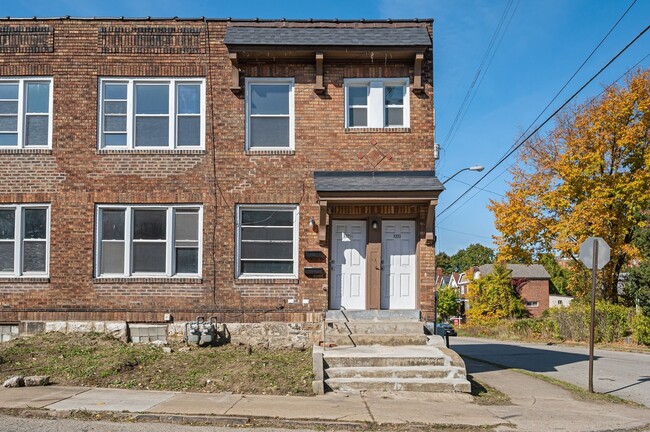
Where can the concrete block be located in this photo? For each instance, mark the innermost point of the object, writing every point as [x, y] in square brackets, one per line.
[6, 338]
[14, 330]
[116, 329]
[37, 380]
[99, 327]
[31, 327]
[80, 326]
[16, 381]
[56, 326]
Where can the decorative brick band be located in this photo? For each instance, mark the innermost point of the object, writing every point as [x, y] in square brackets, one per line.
[26, 39]
[124, 280]
[266, 281]
[378, 130]
[24, 151]
[150, 152]
[270, 152]
[150, 40]
[24, 280]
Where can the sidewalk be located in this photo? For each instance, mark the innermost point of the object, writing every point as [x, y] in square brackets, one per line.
[537, 405]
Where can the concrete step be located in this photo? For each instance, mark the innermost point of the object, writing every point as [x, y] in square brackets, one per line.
[377, 339]
[441, 385]
[395, 372]
[374, 327]
[373, 315]
[372, 356]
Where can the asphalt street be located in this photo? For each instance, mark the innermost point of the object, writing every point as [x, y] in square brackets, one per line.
[623, 374]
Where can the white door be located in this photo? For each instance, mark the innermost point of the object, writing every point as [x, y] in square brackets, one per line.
[348, 265]
[398, 265]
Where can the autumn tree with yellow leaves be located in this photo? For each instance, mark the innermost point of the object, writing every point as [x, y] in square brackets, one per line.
[589, 176]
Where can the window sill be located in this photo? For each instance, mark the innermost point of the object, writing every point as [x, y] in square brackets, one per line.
[149, 280]
[151, 151]
[4, 150]
[379, 130]
[283, 152]
[24, 279]
[258, 281]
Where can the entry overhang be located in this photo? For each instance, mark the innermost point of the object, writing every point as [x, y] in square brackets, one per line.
[372, 187]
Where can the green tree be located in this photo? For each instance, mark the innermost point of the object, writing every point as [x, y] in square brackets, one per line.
[443, 261]
[493, 297]
[447, 303]
[638, 287]
[560, 277]
[473, 255]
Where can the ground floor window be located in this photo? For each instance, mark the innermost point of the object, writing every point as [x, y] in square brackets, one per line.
[267, 241]
[532, 304]
[137, 240]
[24, 240]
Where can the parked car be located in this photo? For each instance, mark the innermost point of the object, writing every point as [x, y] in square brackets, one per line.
[445, 329]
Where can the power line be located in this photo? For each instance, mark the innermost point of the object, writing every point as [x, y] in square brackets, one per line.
[465, 233]
[517, 146]
[467, 101]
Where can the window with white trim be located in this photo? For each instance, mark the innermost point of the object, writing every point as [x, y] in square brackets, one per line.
[24, 240]
[532, 304]
[152, 113]
[269, 114]
[26, 113]
[151, 240]
[267, 241]
[377, 103]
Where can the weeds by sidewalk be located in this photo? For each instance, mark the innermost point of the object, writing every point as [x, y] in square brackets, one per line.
[99, 361]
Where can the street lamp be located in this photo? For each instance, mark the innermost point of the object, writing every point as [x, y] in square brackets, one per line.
[477, 168]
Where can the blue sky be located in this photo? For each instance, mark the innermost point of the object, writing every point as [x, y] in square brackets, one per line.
[543, 45]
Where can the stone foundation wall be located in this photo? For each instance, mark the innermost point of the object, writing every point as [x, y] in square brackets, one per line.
[274, 335]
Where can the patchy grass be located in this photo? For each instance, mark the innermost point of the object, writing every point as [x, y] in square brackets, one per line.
[100, 361]
[487, 395]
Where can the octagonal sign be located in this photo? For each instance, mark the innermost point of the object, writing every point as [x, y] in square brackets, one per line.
[587, 252]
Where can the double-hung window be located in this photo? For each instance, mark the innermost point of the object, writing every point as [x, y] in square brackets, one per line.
[152, 113]
[24, 240]
[26, 113]
[267, 241]
[148, 240]
[376, 103]
[269, 114]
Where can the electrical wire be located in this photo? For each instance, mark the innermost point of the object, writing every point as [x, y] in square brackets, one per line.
[515, 147]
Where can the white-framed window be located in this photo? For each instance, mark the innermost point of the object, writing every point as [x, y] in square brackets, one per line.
[26, 112]
[532, 304]
[24, 240]
[151, 113]
[148, 240]
[269, 114]
[267, 241]
[377, 103]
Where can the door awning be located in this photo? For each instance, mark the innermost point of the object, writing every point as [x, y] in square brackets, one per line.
[385, 187]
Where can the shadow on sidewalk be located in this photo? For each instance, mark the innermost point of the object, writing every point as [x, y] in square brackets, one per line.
[532, 359]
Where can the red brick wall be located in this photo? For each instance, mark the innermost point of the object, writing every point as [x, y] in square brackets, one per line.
[75, 176]
[535, 290]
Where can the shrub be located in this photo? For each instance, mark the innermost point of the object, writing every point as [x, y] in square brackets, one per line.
[535, 328]
[641, 329]
[612, 322]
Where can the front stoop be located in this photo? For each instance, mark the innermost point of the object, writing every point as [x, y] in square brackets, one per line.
[387, 351]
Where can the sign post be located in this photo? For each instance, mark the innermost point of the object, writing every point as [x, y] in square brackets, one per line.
[594, 253]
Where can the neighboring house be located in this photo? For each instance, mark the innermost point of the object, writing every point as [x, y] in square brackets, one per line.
[559, 301]
[253, 170]
[532, 282]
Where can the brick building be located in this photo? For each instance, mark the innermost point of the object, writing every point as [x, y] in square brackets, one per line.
[250, 170]
[532, 283]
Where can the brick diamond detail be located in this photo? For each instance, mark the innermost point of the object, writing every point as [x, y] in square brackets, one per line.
[375, 155]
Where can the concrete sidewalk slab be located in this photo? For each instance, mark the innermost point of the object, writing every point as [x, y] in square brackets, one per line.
[333, 407]
[537, 403]
[428, 408]
[112, 400]
[36, 397]
[196, 404]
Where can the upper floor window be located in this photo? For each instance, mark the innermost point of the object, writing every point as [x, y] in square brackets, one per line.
[267, 241]
[269, 114]
[152, 113]
[26, 113]
[24, 240]
[376, 103]
[148, 240]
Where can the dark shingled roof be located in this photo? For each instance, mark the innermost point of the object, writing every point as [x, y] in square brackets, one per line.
[520, 271]
[372, 181]
[327, 36]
